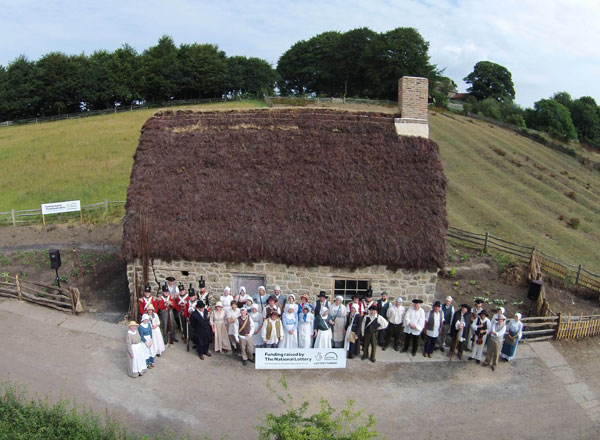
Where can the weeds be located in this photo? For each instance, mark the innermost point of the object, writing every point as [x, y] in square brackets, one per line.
[573, 223]
[503, 260]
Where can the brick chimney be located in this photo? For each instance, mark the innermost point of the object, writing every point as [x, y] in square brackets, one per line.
[412, 105]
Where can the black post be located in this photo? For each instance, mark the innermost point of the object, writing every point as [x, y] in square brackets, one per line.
[57, 278]
[577, 277]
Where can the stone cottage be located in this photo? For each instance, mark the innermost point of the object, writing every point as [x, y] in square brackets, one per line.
[307, 198]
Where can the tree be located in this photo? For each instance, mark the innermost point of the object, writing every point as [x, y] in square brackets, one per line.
[295, 70]
[125, 73]
[21, 95]
[160, 70]
[586, 119]
[563, 98]
[551, 116]
[62, 80]
[352, 68]
[490, 80]
[202, 71]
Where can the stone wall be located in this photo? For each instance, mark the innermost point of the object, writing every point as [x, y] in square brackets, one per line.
[413, 93]
[292, 279]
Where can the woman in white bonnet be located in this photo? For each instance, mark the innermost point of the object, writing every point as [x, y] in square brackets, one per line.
[257, 317]
[323, 332]
[226, 298]
[290, 328]
[337, 318]
[136, 351]
[305, 327]
[513, 334]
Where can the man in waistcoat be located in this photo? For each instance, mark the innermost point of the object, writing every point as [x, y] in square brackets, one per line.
[448, 313]
[382, 308]
[243, 331]
[459, 329]
[372, 323]
[322, 301]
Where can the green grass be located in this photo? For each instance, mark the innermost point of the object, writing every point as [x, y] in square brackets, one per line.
[498, 181]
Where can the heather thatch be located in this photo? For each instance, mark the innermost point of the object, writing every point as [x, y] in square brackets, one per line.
[297, 186]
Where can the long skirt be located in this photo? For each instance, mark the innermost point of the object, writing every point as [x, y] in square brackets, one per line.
[323, 339]
[137, 364]
[305, 333]
[339, 331]
[509, 351]
[221, 336]
[289, 341]
[158, 345]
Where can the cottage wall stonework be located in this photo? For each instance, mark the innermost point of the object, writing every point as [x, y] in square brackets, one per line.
[413, 93]
[292, 279]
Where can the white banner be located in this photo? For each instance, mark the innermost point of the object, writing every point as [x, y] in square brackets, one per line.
[58, 207]
[299, 358]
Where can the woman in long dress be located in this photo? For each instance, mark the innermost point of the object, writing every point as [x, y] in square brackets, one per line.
[257, 317]
[291, 302]
[158, 343]
[136, 351]
[232, 315]
[352, 343]
[323, 332]
[337, 318]
[218, 322]
[305, 327]
[290, 328]
[260, 298]
[226, 298]
[514, 332]
[242, 297]
[145, 331]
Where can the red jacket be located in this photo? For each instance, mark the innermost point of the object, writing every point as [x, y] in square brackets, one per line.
[143, 303]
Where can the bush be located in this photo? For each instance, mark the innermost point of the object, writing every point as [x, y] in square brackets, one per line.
[295, 424]
[573, 223]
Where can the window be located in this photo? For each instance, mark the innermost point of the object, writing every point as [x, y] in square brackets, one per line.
[347, 288]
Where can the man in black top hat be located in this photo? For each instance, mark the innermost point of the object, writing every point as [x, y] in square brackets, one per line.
[382, 307]
[475, 311]
[459, 329]
[322, 301]
[202, 330]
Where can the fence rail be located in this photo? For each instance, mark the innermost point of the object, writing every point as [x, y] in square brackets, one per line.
[29, 216]
[574, 274]
[293, 100]
[45, 295]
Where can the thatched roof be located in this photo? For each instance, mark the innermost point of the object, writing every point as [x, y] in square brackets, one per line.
[305, 187]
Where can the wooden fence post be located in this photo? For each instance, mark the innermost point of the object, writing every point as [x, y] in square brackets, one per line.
[557, 334]
[487, 234]
[577, 277]
[12, 211]
[106, 205]
[18, 286]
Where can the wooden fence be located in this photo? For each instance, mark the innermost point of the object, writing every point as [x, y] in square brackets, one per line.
[29, 216]
[48, 296]
[539, 328]
[574, 274]
[577, 327]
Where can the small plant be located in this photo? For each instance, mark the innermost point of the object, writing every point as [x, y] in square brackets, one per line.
[503, 260]
[569, 281]
[472, 282]
[23, 275]
[570, 194]
[516, 303]
[499, 302]
[464, 257]
[452, 272]
[564, 173]
[456, 283]
[4, 261]
[561, 217]
[573, 223]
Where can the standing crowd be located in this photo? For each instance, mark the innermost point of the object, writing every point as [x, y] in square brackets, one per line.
[243, 323]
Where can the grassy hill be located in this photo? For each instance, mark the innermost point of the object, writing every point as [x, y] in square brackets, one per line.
[498, 181]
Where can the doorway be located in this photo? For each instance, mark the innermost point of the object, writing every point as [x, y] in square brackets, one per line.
[250, 282]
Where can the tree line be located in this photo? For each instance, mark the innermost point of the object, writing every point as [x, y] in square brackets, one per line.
[59, 83]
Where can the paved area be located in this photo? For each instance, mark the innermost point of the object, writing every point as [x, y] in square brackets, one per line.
[65, 356]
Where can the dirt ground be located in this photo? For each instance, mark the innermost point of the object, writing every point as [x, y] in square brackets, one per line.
[83, 358]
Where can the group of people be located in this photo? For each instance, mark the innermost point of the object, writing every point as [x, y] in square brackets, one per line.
[243, 323]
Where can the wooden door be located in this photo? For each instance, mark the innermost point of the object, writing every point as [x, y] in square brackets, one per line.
[250, 282]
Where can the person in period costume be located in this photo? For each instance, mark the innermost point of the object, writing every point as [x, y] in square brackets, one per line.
[167, 317]
[494, 318]
[414, 321]
[145, 331]
[279, 298]
[323, 327]
[433, 328]
[290, 327]
[475, 311]
[321, 302]
[158, 346]
[232, 315]
[189, 305]
[479, 329]
[514, 332]
[146, 300]
[180, 305]
[353, 329]
[202, 330]
[204, 296]
[260, 298]
[447, 310]
[356, 300]
[173, 289]
[272, 306]
[226, 298]
[303, 302]
[496, 334]
[371, 323]
[459, 329]
[337, 318]
[243, 330]
[136, 351]
[218, 322]
[242, 297]
[248, 306]
[368, 301]
[272, 330]
[257, 317]
[395, 317]
[291, 301]
[383, 305]
[306, 321]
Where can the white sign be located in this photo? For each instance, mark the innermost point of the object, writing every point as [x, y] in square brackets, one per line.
[56, 208]
[299, 358]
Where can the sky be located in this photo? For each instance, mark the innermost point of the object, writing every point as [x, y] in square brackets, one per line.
[547, 45]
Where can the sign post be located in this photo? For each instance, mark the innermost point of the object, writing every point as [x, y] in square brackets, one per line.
[58, 207]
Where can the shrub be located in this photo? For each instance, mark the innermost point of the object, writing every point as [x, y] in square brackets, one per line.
[573, 223]
[570, 194]
[503, 260]
[295, 424]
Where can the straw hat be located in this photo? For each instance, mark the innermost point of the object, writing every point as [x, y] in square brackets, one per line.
[132, 323]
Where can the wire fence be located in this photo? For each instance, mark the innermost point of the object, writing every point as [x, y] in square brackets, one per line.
[306, 100]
